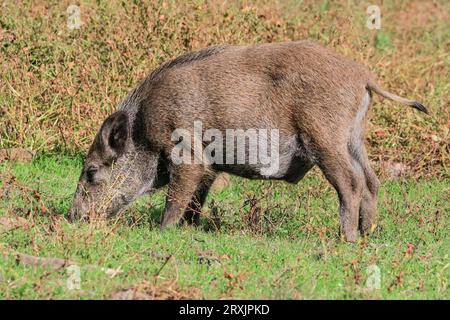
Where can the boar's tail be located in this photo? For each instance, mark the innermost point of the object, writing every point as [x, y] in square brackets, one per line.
[373, 86]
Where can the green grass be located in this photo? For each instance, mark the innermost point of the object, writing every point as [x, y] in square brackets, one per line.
[293, 251]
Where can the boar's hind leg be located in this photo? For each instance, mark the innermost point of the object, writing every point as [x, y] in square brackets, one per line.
[348, 180]
[184, 182]
[192, 213]
[368, 209]
[360, 160]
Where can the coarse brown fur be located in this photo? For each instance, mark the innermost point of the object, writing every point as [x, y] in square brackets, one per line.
[317, 99]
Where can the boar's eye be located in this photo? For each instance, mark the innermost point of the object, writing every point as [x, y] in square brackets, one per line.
[90, 174]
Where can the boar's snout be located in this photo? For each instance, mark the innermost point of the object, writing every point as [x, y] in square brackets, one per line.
[79, 209]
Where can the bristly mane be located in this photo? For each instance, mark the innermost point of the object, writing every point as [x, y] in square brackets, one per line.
[186, 58]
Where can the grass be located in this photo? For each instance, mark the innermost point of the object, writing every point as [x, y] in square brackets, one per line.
[275, 241]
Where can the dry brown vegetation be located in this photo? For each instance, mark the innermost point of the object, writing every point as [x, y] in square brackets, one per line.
[58, 85]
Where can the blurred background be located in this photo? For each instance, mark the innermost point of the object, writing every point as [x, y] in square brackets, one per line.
[65, 65]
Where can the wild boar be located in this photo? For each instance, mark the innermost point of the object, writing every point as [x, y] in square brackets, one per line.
[315, 101]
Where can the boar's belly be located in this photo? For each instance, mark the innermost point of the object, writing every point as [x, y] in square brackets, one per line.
[291, 165]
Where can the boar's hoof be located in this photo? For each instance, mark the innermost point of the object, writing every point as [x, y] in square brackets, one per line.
[349, 237]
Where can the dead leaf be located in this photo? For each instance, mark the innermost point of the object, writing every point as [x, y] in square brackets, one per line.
[409, 252]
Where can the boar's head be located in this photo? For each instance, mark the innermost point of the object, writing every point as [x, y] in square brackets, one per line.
[115, 171]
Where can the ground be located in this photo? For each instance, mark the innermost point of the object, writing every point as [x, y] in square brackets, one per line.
[257, 240]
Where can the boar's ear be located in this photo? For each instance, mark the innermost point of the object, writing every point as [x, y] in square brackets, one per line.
[114, 134]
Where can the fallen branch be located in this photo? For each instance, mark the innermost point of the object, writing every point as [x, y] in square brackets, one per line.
[57, 263]
[53, 263]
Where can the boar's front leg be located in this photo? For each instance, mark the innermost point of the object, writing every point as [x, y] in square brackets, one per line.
[184, 183]
[192, 213]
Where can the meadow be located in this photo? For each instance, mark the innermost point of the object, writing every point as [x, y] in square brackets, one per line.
[256, 239]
